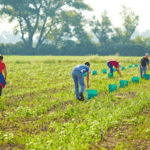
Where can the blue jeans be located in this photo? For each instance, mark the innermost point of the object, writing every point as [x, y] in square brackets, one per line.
[142, 69]
[78, 76]
[2, 80]
[110, 67]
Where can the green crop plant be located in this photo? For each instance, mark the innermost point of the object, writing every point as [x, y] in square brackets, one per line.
[59, 61]
[40, 102]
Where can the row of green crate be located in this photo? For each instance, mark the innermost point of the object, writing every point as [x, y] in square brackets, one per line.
[113, 87]
[109, 74]
[122, 68]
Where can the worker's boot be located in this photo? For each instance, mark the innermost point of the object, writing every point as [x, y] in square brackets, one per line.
[81, 96]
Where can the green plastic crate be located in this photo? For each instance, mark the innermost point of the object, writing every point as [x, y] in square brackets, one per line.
[94, 72]
[112, 87]
[90, 93]
[114, 69]
[110, 75]
[123, 68]
[104, 71]
[136, 65]
[135, 79]
[130, 66]
[85, 74]
[146, 76]
[123, 83]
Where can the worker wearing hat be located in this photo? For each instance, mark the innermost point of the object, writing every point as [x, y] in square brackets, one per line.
[77, 75]
[114, 63]
[143, 63]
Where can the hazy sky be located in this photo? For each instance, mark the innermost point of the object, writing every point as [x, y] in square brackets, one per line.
[113, 7]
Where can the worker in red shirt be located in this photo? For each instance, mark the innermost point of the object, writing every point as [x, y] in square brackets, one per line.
[2, 79]
[114, 63]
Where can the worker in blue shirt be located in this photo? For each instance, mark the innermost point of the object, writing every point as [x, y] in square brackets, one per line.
[77, 75]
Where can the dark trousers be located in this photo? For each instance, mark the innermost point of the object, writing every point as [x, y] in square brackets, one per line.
[0, 90]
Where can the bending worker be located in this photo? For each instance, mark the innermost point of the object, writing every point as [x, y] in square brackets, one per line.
[143, 63]
[77, 75]
[114, 63]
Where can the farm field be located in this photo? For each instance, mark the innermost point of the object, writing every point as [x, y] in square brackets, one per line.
[39, 110]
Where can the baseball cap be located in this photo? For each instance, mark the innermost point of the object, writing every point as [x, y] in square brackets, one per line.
[147, 54]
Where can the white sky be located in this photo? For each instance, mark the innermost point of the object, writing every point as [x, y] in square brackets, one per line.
[113, 7]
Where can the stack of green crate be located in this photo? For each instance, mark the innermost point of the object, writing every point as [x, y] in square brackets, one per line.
[91, 93]
[104, 71]
[135, 79]
[123, 83]
[110, 75]
[94, 72]
[112, 87]
[114, 69]
[146, 76]
[123, 68]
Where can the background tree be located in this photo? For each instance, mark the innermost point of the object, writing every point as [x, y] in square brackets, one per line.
[2, 47]
[68, 21]
[72, 27]
[130, 21]
[19, 49]
[118, 35]
[102, 29]
[139, 40]
[37, 17]
[143, 41]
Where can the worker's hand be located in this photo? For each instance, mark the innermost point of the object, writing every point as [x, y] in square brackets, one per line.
[120, 75]
[5, 79]
[142, 67]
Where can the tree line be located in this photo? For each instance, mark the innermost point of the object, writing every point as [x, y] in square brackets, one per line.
[56, 23]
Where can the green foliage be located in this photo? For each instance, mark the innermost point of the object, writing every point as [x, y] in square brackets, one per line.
[23, 62]
[41, 110]
[16, 30]
[43, 17]
[142, 41]
[58, 29]
[101, 30]
[72, 48]
[118, 36]
[59, 61]
[69, 112]
[49, 61]
[130, 21]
